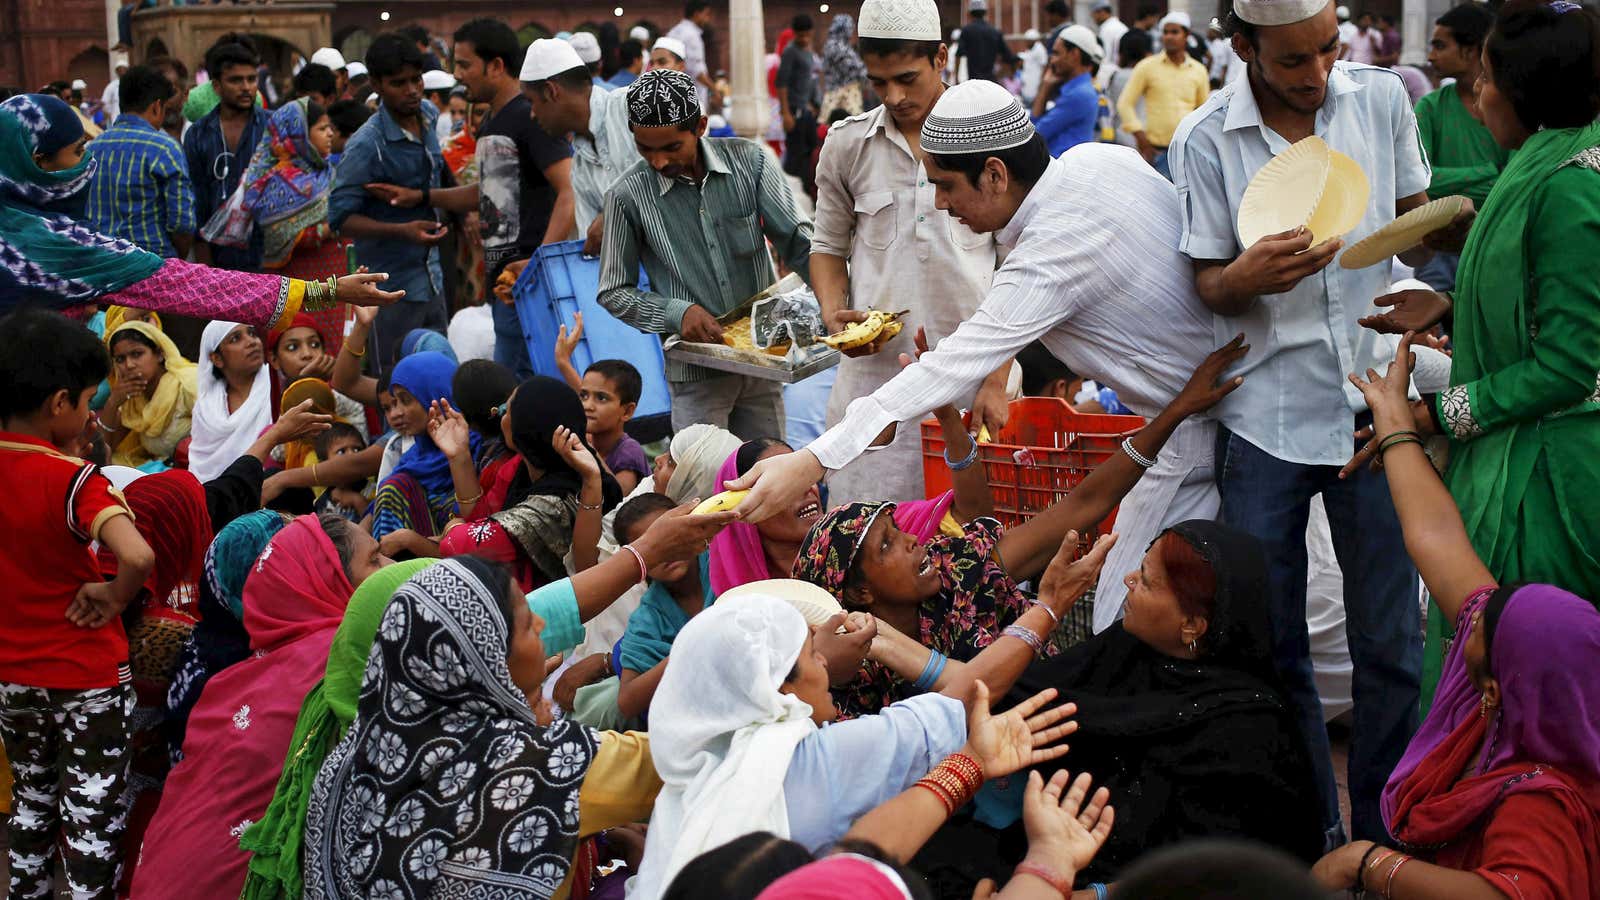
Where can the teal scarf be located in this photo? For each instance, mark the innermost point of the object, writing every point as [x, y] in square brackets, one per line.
[44, 255]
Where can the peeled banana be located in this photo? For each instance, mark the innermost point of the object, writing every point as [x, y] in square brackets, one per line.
[723, 502]
[877, 325]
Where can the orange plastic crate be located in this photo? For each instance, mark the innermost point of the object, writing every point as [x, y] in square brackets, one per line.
[1044, 451]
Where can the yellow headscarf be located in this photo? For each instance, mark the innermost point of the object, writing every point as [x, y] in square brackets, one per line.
[117, 316]
[153, 416]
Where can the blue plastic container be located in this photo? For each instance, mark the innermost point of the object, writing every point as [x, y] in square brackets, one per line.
[562, 281]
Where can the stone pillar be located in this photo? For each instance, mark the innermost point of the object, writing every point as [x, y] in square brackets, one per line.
[112, 8]
[747, 50]
[1416, 29]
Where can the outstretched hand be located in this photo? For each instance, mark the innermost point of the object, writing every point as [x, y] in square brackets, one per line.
[775, 484]
[1019, 738]
[448, 429]
[361, 289]
[676, 535]
[1413, 310]
[1206, 386]
[1386, 396]
[1066, 579]
[1062, 829]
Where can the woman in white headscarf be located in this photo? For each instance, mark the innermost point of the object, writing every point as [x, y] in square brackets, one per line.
[739, 737]
[689, 468]
[235, 397]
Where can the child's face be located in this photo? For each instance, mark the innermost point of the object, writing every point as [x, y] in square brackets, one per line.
[667, 573]
[133, 361]
[298, 348]
[69, 420]
[604, 411]
[321, 136]
[344, 445]
[407, 415]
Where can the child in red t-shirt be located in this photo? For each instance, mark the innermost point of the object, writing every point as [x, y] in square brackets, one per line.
[65, 694]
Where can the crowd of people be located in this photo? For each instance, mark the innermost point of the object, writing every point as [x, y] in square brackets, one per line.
[329, 580]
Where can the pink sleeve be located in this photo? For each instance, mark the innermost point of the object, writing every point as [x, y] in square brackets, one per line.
[484, 538]
[190, 289]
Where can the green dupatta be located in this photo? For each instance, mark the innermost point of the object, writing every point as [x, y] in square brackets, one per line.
[325, 716]
[1516, 496]
[44, 254]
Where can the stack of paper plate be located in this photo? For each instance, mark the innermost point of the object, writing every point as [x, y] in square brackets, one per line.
[1403, 233]
[314, 389]
[812, 602]
[1311, 185]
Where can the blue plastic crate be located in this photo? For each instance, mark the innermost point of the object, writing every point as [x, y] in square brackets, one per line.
[561, 281]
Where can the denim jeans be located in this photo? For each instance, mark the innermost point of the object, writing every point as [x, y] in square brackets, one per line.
[510, 347]
[1270, 499]
[422, 307]
[1160, 164]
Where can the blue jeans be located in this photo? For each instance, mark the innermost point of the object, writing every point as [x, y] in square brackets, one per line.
[1270, 499]
[510, 347]
[1439, 272]
[1160, 165]
[422, 307]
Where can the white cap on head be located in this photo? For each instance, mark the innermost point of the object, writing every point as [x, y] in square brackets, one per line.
[1032, 34]
[639, 33]
[547, 58]
[900, 20]
[587, 46]
[977, 5]
[355, 68]
[976, 117]
[1277, 12]
[78, 84]
[329, 57]
[1177, 17]
[1343, 12]
[1101, 6]
[437, 80]
[1081, 37]
[672, 45]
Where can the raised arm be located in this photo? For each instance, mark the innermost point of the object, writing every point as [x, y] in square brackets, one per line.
[1435, 536]
[1026, 548]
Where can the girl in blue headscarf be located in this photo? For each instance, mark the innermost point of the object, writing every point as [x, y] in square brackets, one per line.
[419, 495]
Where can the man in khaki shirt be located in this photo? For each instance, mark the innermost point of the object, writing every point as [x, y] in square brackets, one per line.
[880, 243]
[1172, 84]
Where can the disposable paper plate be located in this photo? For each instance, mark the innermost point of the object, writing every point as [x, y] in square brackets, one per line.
[1343, 202]
[314, 389]
[1285, 192]
[812, 602]
[1402, 234]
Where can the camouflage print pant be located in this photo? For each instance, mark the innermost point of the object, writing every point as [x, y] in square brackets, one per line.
[69, 756]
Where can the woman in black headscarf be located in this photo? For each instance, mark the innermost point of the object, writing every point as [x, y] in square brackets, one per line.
[1180, 712]
[550, 500]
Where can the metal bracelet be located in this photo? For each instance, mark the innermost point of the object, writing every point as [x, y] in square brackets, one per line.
[1139, 459]
[966, 463]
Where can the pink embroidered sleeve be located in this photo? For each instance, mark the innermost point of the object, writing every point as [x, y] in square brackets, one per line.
[484, 538]
[189, 289]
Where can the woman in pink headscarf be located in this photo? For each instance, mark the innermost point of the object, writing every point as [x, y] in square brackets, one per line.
[743, 553]
[239, 732]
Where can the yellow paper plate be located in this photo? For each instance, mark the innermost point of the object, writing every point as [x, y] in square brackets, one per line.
[1284, 194]
[812, 602]
[1343, 202]
[314, 389]
[1402, 234]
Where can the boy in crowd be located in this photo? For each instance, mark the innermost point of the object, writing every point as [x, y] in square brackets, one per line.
[348, 500]
[347, 117]
[610, 390]
[676, 592]
[66, 695]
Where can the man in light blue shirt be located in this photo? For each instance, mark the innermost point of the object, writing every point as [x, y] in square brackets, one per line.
[1288, 429]
[1070, 120]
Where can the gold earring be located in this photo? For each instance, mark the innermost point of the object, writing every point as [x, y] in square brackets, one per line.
[1484, 707]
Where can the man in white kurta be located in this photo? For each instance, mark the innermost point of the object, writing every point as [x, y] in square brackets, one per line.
[880, 243]
[1092, 270]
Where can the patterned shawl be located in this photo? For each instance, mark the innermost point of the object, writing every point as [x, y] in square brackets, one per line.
[44, 255]
[841, 64]
[287, 184]
[446, 785]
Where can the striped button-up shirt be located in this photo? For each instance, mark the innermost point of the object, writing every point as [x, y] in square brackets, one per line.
[141, 192]
[602, 156]
[701, 244]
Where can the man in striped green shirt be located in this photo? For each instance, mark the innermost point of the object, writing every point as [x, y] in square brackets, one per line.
[141, 190]
[698, 213]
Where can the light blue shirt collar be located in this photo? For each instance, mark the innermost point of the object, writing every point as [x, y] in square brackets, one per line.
[1244, 113]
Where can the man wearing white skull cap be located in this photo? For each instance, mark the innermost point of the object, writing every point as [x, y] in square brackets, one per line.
[1288, 429]
[882, 243]
[1092, 271]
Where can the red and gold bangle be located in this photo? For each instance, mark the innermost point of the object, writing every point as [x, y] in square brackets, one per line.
[1062, 885]
[939, 791]
[966, 768]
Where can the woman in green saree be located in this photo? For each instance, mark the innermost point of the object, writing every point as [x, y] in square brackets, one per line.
[1523, 408]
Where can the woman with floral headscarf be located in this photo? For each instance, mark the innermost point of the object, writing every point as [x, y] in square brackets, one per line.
[286, 193]
[843, 72]
[47, 257]
[239, 732]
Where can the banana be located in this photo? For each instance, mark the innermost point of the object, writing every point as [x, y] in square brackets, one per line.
[723, 502]
[860, 334]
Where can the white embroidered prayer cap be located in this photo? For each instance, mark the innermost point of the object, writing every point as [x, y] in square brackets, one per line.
[1278, 12]
[900, 20]
[587, 46]
[547, 58]
[976, 117]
